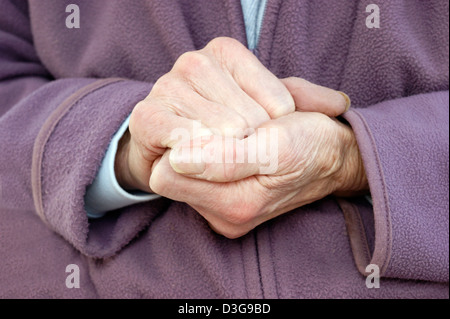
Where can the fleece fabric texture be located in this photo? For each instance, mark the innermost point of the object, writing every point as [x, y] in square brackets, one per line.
[65, 92]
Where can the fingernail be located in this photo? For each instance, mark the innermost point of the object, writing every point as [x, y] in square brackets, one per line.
[347, 100]
[187, 160]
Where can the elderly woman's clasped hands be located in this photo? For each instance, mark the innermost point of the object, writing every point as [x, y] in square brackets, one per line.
[223, 134]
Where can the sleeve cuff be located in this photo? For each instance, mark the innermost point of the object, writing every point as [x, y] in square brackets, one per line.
[105, 193]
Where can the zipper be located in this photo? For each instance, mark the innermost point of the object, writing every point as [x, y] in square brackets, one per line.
[258, 21]
[260, 25]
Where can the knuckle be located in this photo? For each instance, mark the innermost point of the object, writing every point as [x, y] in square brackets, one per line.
[137, 114]
[145, 112]
[223, 42]
[233, 233]
[221, 45]
[229, 231]
[191, 62]
[241, 215]
[237, 220]
[162, 86]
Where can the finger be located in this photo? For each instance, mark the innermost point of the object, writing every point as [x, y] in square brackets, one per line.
[220, 119]
[176, 95]
[207, 78]
[252, 76]
[221, 159]
[228, 201]
[229, 208]
[310, 97]
[166, 182]
[156, 127]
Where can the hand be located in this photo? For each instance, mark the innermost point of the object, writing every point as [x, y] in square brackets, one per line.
[317, 156]
[226, 88]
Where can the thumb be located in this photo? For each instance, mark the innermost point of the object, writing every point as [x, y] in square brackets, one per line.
[225, 159]
[310, 97]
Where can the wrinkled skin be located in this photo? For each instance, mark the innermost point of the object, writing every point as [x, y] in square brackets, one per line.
[234, 96]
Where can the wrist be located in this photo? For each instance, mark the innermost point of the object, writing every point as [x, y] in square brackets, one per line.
[121, 167]
[350, 179]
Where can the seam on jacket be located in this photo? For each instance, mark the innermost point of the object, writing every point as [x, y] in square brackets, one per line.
[89, 265]
[265, 259]
[385, 210]
[272, 263]
[261, 285]
[362, 232]
[277, 19]
[359, 245]
[45, 133]
[243, 269]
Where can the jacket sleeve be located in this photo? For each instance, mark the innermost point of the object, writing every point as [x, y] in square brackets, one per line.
[53, 136]
[105, 194]
[405, 148]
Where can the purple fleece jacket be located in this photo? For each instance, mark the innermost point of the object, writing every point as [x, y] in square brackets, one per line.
[64, 93]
